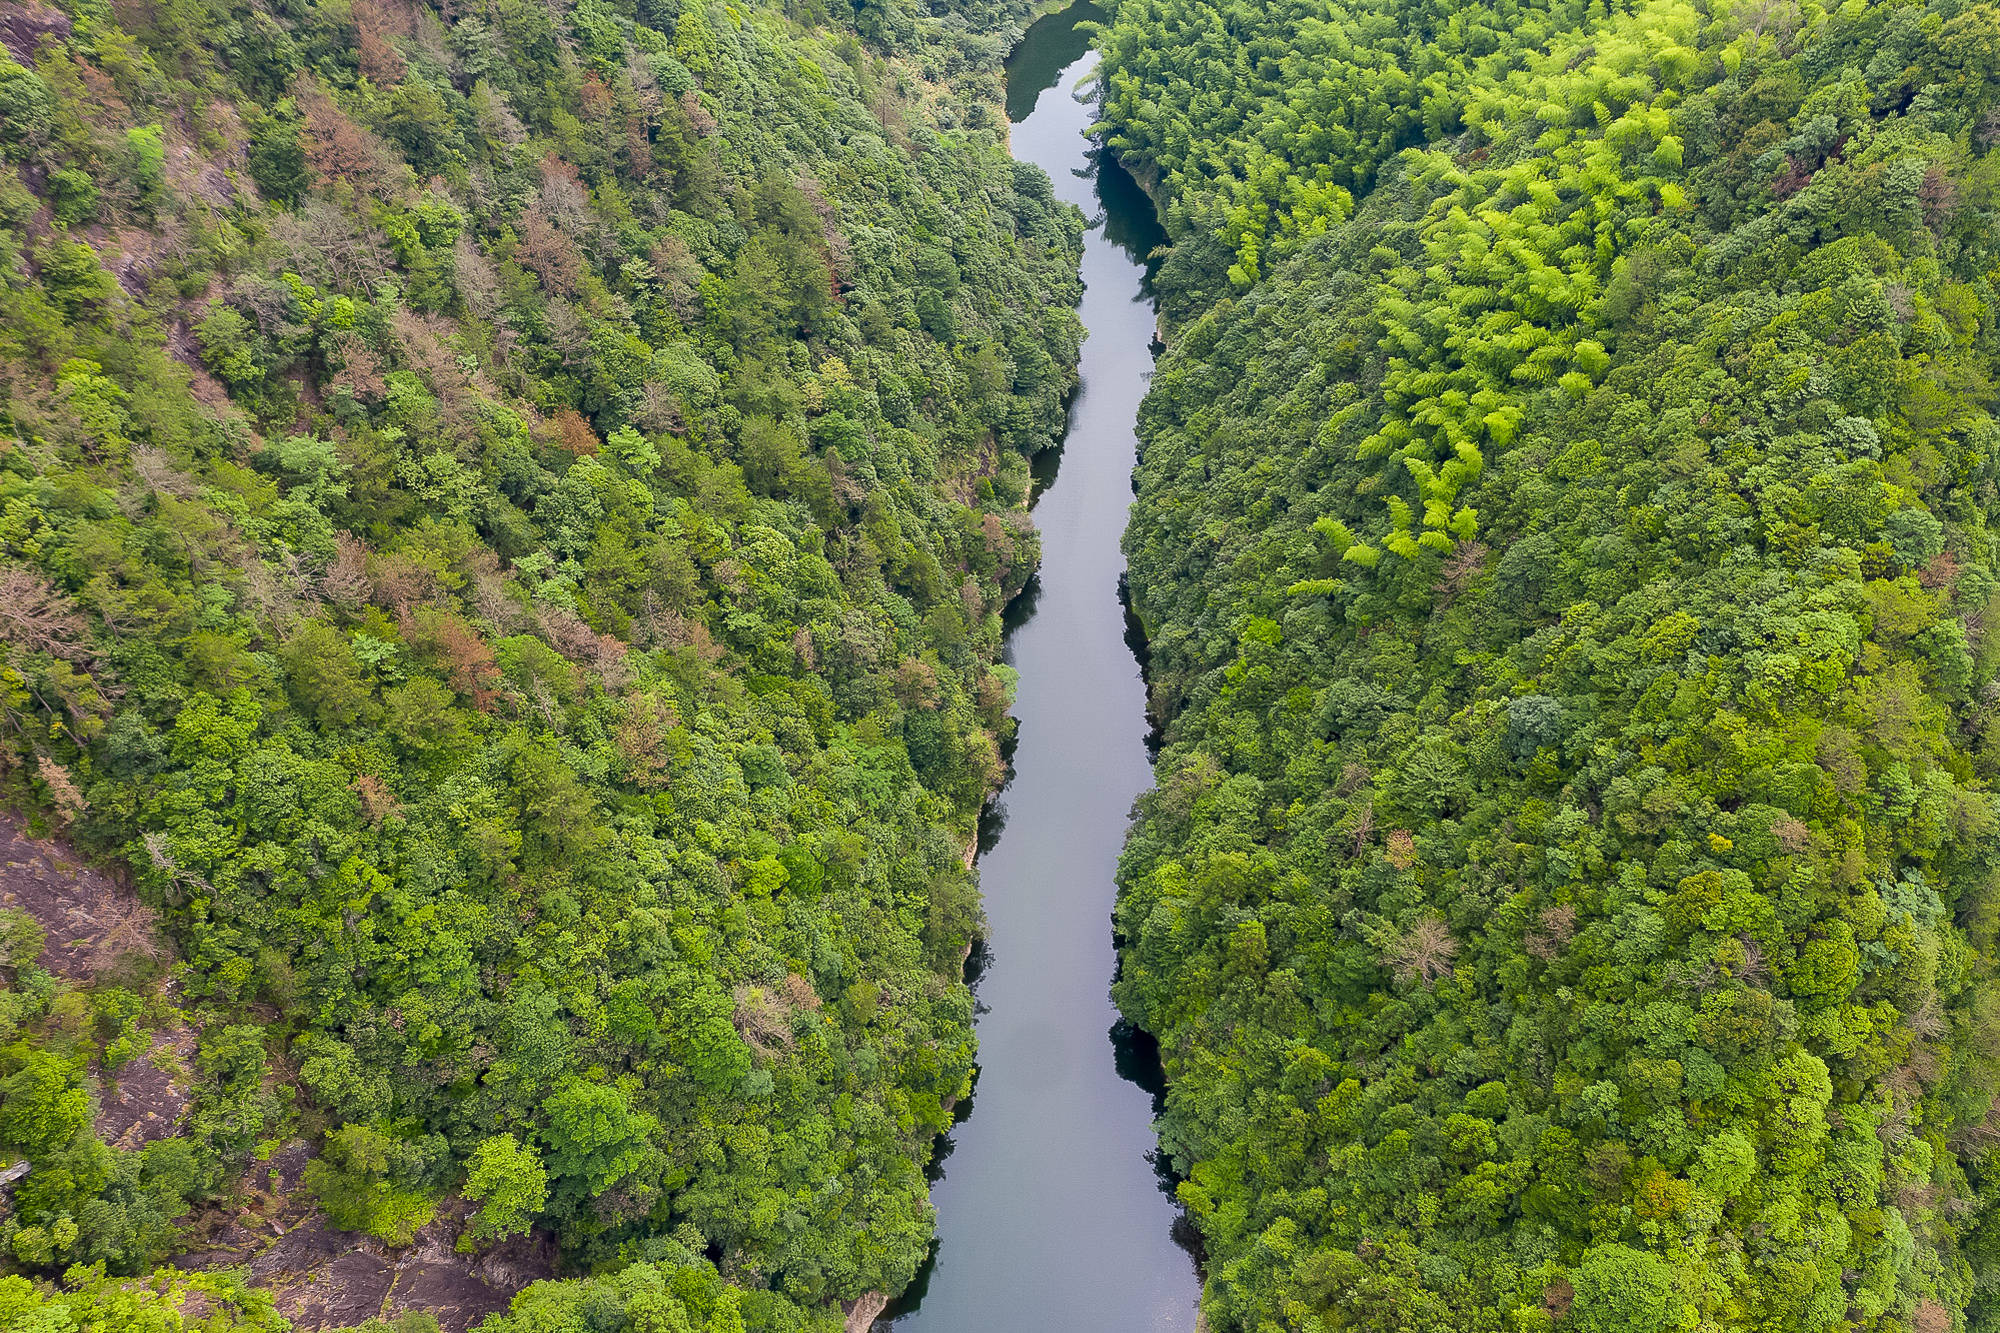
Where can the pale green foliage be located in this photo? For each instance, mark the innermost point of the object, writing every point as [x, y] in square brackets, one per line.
[505, 1177]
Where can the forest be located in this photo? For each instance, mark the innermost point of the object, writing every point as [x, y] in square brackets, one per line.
[1565, 545]
[504, 515]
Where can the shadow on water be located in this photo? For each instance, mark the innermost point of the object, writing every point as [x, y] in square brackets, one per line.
[1051, 45]
[1022, 609]
[1137, 1053]
[1130, 222]
[1142, 653]
[1042, 469]
[1056, 1211]
[992, 823]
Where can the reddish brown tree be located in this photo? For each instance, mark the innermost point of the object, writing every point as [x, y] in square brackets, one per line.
[573, 432]
[549, 255]
[336, 148]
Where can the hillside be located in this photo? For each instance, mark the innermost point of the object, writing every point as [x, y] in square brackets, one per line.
[1564, 544]
[505, 514]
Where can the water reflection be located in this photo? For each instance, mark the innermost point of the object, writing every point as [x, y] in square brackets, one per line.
[1130, 222]
[1051, 45]
[1055, 1211]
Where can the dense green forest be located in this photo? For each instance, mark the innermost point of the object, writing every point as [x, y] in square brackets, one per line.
[505, 511]
[1563, 537]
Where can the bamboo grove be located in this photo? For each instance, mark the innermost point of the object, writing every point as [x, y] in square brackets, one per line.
[1570, 897]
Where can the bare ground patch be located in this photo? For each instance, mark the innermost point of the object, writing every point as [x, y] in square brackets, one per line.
[147, 1098]
[94, 922]
[322, 1278]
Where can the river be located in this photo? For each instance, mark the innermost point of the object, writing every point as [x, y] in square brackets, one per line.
[1051, 1213]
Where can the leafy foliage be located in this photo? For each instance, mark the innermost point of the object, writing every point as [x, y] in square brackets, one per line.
[673, 1292]
[1569, 897]
[167, 1302]
[1263, 122]
[510, 1184]
[494, 538]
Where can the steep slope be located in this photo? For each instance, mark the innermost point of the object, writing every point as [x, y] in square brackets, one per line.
[507, 509]
[1569, 900]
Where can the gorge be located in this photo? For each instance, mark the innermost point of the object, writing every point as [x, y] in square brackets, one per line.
[1050, 1214]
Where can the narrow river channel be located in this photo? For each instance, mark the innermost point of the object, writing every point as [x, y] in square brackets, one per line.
[1051, 1214]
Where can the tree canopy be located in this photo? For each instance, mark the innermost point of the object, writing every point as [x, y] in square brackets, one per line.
[1569, 899]
[506, 514]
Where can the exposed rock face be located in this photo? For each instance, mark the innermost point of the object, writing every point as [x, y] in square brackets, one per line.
[93, 921]
[865, 1310]
[322, 1278]
[22, 27]
[95, 926]
[146, 1099]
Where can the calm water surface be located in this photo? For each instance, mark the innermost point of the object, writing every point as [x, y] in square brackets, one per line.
[1052, 1216]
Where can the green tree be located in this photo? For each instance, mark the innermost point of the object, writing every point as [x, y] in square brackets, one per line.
[27, 107]
[506, 1178]
[422, 717]
[276, 158]
[355, 1179]
[229, 346]
[43, 1106]
[1623, 1290]
[325, 678]
[595, 1139]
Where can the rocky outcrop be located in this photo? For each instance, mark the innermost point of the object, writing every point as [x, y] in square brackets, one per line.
[864, 1311]
[322, 1278]
[146, 1099]
[92, 922]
